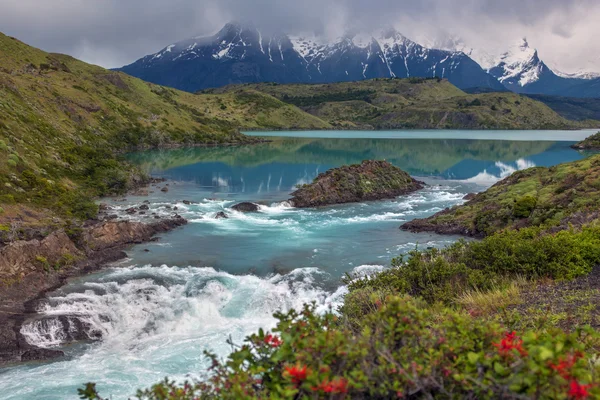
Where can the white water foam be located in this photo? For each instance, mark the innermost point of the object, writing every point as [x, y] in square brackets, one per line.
[132, 305]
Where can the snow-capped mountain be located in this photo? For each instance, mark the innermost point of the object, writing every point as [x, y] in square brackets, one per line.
[520, 69]
[241, 54]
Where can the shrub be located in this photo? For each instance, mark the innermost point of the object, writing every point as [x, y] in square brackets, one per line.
[524, 206]
[404, 351]
[440, 275]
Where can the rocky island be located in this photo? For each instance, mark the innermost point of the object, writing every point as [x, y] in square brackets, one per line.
[370, 180]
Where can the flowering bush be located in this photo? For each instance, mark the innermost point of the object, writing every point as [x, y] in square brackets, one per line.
[405, 351]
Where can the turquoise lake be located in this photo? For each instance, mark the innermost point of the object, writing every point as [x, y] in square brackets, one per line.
[157, 310]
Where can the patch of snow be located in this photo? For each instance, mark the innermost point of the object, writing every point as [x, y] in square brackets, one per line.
[520, 63]
[576, 75]
[260, 41]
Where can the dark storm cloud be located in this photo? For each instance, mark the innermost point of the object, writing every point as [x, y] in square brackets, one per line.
[115, 32]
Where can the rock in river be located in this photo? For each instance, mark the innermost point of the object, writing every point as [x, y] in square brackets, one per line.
[246, 207]
[370, 180]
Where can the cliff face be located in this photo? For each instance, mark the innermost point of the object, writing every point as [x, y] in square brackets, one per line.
[370, 180]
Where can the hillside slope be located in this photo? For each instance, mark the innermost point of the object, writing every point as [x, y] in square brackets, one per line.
[412, 103]
[558, 196]
[62, 121]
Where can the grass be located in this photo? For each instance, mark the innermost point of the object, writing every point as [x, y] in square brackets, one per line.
[487, 302]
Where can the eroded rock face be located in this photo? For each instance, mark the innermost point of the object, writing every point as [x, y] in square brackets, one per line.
[111, 234]
[23, 257]
[370, 180]
[246, 207]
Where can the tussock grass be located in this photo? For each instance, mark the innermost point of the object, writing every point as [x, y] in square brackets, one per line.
[500, 296]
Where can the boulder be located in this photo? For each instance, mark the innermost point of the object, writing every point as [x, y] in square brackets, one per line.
[221, 215]
[246, 207]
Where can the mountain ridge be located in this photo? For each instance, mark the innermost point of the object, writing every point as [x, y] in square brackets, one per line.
[242, 54]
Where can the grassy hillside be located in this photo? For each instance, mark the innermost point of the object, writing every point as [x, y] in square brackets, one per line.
[413, 103]
[557, 196]
[62, 121]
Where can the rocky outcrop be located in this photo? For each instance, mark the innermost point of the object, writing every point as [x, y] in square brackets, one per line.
[29, 269]
[221, 215]
[440, 225]
[245, 207]
[370, 180]
[589, 143]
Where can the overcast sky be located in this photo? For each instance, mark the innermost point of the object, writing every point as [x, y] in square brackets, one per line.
[112, 33]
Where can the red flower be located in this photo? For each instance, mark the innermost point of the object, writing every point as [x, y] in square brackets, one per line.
[297, 373]
[337, 385]
[565, 364]
[509, 343]
[578, 391]
[273, 341]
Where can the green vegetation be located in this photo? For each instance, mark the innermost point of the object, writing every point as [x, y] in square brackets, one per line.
[589, 143]
[438, 275]
[413, 103]
[548, 197]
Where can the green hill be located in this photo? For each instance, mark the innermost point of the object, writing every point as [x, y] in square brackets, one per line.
[62, 123]
[413, 103]
[550, 197]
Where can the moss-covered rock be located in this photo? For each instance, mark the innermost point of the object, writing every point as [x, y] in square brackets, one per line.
[370, 180]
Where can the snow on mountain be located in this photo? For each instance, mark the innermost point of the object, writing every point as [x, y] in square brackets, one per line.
[241, 53]
[520, 64]
[588, 75]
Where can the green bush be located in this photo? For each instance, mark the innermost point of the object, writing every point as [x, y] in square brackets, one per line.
[404, 351]
[524, 206]
[440, 275]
